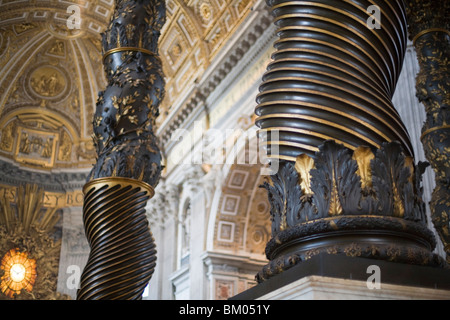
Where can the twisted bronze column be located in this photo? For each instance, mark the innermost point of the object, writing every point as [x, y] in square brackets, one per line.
[347, 183]
[429, 27]
[128, 167]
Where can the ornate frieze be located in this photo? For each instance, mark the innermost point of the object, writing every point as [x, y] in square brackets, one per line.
[13, 175]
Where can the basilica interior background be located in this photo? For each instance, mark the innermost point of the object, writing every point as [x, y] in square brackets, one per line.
[210, 218]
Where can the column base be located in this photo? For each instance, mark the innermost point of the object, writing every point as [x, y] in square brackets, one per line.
[338, 277]
[374, 237]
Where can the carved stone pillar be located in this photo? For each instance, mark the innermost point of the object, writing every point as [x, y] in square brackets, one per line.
[158, 210]
[122, 256]
[429, 25]
[347, 183]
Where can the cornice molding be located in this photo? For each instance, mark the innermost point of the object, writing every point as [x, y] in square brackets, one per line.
[258, 32]
[14, 175]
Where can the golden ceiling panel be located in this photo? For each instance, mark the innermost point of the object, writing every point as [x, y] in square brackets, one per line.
[194, 34]
[54, 77]
[94, 15]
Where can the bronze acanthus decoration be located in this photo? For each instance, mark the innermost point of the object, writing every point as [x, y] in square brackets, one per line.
[338, 203]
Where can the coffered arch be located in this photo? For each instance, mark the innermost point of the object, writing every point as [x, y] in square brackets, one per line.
[240, 214]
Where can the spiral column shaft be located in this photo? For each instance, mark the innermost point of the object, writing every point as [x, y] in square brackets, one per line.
[332, 77]
[128, 166]
[122, 257]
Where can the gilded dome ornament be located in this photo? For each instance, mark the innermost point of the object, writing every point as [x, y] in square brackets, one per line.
[47, 81]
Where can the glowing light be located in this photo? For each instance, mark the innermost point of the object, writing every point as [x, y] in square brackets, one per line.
[19, 273]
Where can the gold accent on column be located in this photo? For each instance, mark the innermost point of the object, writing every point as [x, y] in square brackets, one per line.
[112, 181]
[303, 165]
[335, 204]
[445, 126]
[331, 124]
[424, 32]
[409, 163]
[122, 49]
[363, 156]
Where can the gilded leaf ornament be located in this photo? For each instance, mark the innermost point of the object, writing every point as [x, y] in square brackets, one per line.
[303, 165]
[363, 156]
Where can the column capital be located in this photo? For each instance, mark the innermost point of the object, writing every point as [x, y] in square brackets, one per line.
[192, 181]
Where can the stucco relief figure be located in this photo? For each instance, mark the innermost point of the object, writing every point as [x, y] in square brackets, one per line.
[36, 145]
[57, 48]
[47, 148]
[47, 82]
[186, 232]
[25, 144]
[7, 140]
[65, 148]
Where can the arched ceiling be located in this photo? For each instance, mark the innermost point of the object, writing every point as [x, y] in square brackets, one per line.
[50, 75]
[242, 222]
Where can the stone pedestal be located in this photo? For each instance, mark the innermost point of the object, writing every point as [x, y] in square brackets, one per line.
[328, 277]
[327, 288]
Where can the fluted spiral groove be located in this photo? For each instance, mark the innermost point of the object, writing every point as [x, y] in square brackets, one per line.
[123, 254]
[332, 77]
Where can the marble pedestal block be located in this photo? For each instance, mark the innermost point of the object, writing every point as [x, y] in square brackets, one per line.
[327, 288]
[333, 277]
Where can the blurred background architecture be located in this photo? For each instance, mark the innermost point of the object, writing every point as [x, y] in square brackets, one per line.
[210, 217]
